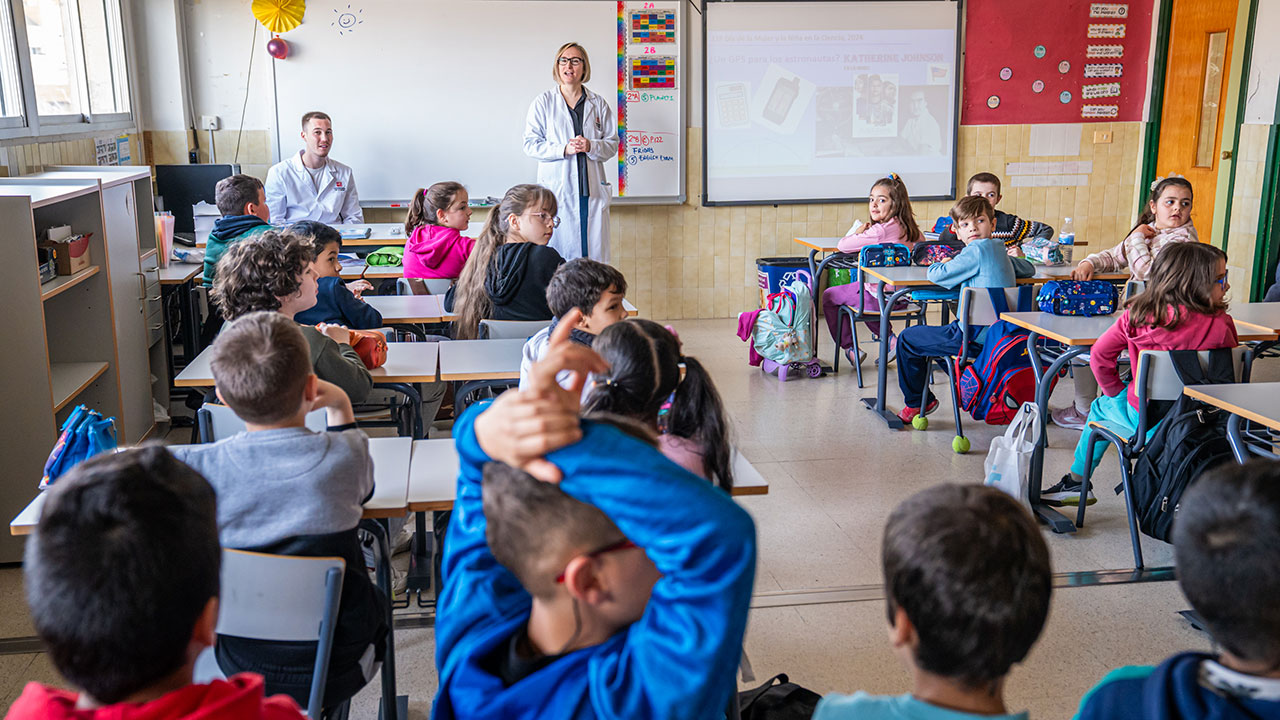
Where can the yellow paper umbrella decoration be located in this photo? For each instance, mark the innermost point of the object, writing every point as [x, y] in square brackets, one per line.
[279, 15]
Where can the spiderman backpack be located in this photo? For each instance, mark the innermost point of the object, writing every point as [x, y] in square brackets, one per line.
[1000, 379]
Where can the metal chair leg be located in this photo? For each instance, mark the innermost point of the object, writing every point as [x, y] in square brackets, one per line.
[1133, 520]
[955, 395]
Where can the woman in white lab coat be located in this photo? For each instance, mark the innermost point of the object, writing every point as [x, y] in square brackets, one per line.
[571, 132]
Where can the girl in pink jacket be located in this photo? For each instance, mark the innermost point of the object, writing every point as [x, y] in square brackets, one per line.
[892, 221]
[435, 247]
[1167, 220]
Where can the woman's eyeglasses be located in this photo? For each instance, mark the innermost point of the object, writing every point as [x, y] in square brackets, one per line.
[576, 62]
[622, 544]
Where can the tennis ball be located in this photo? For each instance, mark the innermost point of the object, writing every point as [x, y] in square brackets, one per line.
[960, 444]
[920, 422]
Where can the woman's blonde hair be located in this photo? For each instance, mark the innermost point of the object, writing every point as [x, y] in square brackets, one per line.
[586, 62]
[472, 299]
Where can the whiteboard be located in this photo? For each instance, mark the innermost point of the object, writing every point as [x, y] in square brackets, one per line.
[439, 90]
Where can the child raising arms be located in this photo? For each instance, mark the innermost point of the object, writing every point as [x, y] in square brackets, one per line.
[435, 247]
[892, 221]
[1167, 220]
[507, 274]
[1183, 308]
[644, 359]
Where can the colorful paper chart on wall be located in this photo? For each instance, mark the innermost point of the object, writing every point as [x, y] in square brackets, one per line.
[649, 127]
[1056, 67]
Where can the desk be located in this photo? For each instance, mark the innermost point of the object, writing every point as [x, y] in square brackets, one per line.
[1078, 334]
[406, 363]
[1255, 402]
[433, 476]
[391, 233]
[407, 308]
[361, 269]
[481, 359]
[180, 278]
[447, 316]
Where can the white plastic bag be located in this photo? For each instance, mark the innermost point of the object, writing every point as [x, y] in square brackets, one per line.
[1009, 459]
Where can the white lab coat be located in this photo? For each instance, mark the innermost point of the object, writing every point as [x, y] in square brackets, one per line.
[291, 196]
[548, 128]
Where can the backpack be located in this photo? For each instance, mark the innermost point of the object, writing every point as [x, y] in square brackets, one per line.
[928, 252]
[784, 329]
[784, 700]
[1000, 379]
[884, 255]
[1078, 297]
[1191, 439]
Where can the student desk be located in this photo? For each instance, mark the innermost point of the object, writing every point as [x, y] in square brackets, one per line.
[1078, 334]
[180, 278]
[407, 308]
[447, 316]
[481, 359]
[406, 363]
[390, 233]
[1255, 402]
[362, 270]
[1262, 316]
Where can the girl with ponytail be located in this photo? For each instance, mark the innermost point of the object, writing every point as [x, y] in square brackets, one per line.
[506, 276]
[435, 247]
[645, 358]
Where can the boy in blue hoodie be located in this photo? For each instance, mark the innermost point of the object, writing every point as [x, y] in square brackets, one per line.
[983, 263]
[243, 205]
[1226, 543]
[337, 302]
[616, 584]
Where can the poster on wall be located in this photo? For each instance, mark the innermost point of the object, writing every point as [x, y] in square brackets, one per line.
[1045, 67]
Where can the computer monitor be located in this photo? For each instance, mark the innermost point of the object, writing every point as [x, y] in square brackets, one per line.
[182, 186]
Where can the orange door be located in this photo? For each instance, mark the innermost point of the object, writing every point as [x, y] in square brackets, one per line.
[1200, 38]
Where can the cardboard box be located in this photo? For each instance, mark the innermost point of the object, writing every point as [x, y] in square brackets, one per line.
[70, 257]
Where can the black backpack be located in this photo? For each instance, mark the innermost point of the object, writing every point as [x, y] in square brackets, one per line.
[777, 699]
[1191, 439]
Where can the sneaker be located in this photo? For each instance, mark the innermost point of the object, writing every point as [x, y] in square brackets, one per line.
[1069, 417]
[893, 351]
[848, 355]
[1066, 492]
[909, 413]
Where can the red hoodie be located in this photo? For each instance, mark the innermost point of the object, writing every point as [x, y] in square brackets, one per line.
[1195, 331]
[436, 251]
[240, 698]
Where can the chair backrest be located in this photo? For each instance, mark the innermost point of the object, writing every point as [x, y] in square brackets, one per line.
[215, 422]
[1159, 381]
[423, 286]
[1134, 287]
[976, 307]
[510, 329]
[286, 599]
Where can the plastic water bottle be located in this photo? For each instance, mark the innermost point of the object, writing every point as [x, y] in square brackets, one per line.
[1067, 240]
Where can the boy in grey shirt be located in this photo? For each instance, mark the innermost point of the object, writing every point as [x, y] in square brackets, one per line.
[287, 490]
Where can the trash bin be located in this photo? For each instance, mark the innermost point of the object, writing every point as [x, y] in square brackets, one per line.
[774, 271]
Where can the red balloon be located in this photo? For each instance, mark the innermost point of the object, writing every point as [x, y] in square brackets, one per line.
[278, 48]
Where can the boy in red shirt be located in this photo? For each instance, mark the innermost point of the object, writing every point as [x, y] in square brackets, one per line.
[122, 579]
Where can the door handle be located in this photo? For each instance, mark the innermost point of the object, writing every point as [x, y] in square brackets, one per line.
[1226, 154]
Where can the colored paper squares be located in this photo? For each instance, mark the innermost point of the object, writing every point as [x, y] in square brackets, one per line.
[653, 73]
[653, 26]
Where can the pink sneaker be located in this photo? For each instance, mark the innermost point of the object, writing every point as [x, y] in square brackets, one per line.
[1069, 417]
[909, 413]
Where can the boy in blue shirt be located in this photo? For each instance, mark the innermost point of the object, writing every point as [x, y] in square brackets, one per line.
[614, 585]
[968, 580]
[337, 302]
[1227, 546]
[983, 263]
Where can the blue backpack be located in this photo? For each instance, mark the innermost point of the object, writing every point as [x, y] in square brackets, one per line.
[1078, 297]
[1000, 378]
[884, 255]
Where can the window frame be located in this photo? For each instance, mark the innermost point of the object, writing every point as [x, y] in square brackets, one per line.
[31, 124]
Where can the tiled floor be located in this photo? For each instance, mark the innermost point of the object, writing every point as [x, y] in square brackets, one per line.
[835, 473]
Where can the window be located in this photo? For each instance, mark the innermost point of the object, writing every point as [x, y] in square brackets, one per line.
[63, 67]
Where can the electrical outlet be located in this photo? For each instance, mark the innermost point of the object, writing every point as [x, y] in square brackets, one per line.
[1101, 137]
[209, 122]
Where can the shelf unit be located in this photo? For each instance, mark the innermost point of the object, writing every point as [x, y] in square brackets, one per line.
[60, 341]
[135, 283]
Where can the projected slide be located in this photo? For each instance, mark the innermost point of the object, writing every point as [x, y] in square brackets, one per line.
[815, 100]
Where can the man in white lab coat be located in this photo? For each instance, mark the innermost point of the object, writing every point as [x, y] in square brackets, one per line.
[570, 131]
[309, 185]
